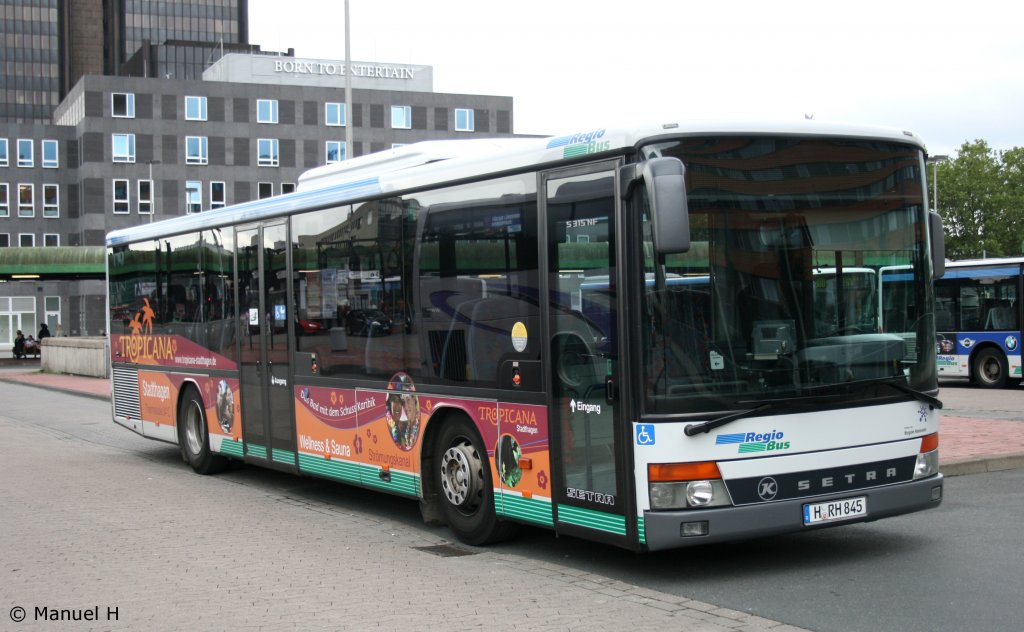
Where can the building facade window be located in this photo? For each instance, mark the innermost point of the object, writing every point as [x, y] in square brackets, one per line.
[335, 151]
[51, 240]
[26, 240]
[145, 197]
[195, 108]
[287, 187]
[122, 105]
[4, 160]
[5, 240]
[196, 150]
[123, 147]
[26, 156]
[334, 114]
[266, 111]
[218, 195]
[50, 154]
[121, 197]
[51, 308]
[51, 200]
[265, 190]
[193, 196]
[401, 117]
[5, 199]
[26, 200]
[268, 153]
[463, 120]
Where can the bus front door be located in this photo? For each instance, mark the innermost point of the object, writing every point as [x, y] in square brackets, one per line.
[589, 484]
[267, 426]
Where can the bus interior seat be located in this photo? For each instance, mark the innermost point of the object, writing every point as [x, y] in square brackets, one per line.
[1000, 317]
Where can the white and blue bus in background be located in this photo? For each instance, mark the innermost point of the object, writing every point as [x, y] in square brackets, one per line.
[978, 321]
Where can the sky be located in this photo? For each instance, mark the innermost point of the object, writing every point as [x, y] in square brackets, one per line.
[951, 71]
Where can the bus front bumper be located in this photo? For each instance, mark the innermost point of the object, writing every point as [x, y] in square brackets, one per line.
[664, 529]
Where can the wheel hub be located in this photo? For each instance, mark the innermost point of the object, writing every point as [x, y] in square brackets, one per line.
[193, 432]
[460, 480]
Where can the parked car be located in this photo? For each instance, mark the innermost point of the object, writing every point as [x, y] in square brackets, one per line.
[367, 322]
[308, 327]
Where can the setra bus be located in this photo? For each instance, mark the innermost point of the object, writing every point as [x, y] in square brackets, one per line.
[652, 337]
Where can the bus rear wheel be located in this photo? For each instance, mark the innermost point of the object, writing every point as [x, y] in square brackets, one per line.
[194, 438]
[989, 369]
[464, 482]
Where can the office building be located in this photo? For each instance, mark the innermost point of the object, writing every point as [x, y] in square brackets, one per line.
[124, 150]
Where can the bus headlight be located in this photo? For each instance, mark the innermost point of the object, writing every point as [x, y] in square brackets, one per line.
[699, 493]
[669, 488]
[928, 458]
[927, 464]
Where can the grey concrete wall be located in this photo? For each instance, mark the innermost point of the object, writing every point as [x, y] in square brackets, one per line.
[79, 356]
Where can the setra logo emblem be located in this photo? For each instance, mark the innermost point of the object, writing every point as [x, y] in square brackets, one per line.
[767, 488]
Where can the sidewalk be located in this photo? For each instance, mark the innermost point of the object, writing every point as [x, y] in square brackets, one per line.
[967, 445]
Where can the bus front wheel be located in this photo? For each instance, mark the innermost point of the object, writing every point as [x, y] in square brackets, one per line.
[194, 438]
[989, 369]
[464, 482]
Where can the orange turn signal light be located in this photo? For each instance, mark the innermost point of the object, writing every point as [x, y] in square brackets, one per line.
[930, 442]
[668, 472]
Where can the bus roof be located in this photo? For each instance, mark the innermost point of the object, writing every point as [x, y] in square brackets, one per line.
[978, 263]
[429, 163]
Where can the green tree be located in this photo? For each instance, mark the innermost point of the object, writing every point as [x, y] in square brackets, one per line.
[981, 200]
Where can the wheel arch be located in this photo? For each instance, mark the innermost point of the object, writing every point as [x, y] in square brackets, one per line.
[439, 418]
[977, 349]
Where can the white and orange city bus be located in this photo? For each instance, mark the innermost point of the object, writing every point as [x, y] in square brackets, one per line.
[505, 331]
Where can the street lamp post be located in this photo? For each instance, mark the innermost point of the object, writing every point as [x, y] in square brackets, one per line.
[152, 190]
[348, 88]
[935, 161]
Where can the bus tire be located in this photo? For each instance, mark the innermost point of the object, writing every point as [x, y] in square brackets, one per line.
[463, 482]
[989, 368]
[194, 437]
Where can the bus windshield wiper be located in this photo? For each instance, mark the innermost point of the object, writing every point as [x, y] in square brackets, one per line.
[711, 424]
[934, 402]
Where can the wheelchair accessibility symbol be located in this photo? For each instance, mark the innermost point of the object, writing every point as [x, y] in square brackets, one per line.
[645, 434]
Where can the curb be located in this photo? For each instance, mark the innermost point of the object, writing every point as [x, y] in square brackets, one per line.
[51, 388]
[983, 465]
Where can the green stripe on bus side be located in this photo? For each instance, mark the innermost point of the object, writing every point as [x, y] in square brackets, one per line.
[258, 451]
[400, 483]
[641, 530]
[283, 456]
[592, 519]
[232, 448]
[526, 509]
[369, 475]
[340, 470]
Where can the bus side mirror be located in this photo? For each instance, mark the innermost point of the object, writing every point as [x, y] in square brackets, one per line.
[938, 242]
[665, 180]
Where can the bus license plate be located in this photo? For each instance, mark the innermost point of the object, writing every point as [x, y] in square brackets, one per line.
[845, 509]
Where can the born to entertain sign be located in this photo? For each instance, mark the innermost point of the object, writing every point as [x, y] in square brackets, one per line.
[242, 68]
[377, 71]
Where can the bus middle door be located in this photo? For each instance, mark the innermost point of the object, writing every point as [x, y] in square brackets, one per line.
[268, 426]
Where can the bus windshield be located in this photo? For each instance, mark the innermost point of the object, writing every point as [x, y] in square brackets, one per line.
[790, 235]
